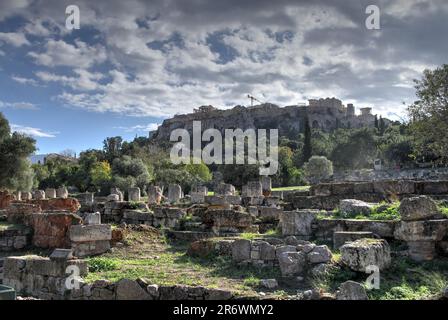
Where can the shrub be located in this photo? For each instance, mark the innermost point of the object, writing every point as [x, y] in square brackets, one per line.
[318, 169]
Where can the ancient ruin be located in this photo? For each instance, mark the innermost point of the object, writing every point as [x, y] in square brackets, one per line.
[303, 235]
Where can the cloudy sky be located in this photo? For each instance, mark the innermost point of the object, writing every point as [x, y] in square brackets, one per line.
[134, 63]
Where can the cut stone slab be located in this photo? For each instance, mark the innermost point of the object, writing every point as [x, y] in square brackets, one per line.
[351, 290]
[359, 254]
[342, 237]
[85, 233]
[417, 208]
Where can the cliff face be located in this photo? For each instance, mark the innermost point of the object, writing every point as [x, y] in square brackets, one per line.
[288, 120]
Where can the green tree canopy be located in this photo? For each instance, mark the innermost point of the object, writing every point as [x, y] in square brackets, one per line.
[15, 168]
[429, 115]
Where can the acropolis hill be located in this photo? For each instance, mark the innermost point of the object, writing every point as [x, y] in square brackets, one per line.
[325, 114]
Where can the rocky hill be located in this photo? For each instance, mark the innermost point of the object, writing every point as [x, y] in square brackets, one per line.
[325, 114]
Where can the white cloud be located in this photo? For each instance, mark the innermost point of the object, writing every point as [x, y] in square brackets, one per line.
[33, 132]
[15, 39]
[18, 105]
[23, 80]
[77, 55]
[140, 128]
[85, 80]
[342, 58]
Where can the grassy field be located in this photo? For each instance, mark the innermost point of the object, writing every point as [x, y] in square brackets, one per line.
[147, 255]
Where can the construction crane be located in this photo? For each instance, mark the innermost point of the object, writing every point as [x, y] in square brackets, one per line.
[252, 99]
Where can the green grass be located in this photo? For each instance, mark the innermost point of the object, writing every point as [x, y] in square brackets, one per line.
[390, 213]
[408, 280]
[444, 211]
[178, 268]
[101, 264]
[168, 264]
[404, 280]
[251, 235]
[294, 188]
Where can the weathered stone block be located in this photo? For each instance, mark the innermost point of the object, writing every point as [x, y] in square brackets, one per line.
[320, 254]
[51, 229]
[241, 249]
[92, 218]
[267, 251]
[359, 254]
[50, 193]
[292, 263]
[130, 290]
[322, 189]
[343, 188]
[39, 195]
[435, 187]
[417, 208]
[154, 195]
[62, 193]
[351, 290]
[363, 187]
[342, 237]
[227, 219]
[224, 189]
[298, 223]
[85, 233]
[269, 213]
[429, 230]
[90, 248]
[134, 194]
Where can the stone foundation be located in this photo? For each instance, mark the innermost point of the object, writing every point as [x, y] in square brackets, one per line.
[15, 237]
